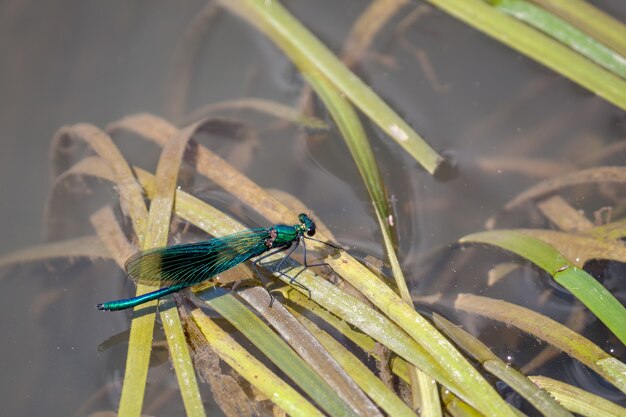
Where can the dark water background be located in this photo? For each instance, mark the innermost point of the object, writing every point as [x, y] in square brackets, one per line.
[64, 62]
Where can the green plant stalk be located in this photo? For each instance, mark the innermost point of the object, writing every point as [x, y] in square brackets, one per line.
[590, 19]
[141, 329]
[484, 397]
[370, 383]
[365, 342]
[458, 408]
[565, 33]
[430, 404]
[577, 400]
[352, 131]
[306, 51]
[539, 47]
[360, 339]
[277, 350]
[542, 327]
[181, 359]
[137, 361]
[520, 383]
[304, 343]
[253, 370]
[582, 285]
[596, 298]
[496, 366]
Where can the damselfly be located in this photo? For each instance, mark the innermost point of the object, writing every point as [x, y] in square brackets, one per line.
[180, 266]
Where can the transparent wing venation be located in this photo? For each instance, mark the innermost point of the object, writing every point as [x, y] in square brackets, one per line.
[195, 262]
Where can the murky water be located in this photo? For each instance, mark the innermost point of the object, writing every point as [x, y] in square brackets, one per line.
[490, 109]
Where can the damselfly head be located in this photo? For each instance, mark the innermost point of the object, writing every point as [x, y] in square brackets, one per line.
[309, 225]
